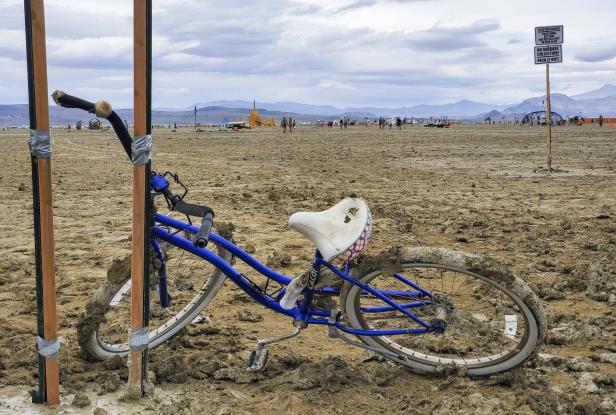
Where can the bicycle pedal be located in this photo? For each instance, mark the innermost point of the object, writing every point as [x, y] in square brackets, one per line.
[257, 359]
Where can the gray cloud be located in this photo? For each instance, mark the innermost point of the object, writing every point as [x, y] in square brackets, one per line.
[288, 50]
[360, 4]
[445, 38]
[357, 4]
[598, 53]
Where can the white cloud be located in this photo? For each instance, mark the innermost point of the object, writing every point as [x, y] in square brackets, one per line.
[341, 52]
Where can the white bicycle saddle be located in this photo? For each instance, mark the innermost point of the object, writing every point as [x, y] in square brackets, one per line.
[342, 229]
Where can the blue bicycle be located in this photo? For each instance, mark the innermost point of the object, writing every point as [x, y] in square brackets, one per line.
[427, 308]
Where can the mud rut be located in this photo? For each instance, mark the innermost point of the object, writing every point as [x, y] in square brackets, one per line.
[476, 189]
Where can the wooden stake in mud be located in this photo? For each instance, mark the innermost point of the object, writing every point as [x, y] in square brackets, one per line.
[141, 151]
[548, 117]
[40, 150]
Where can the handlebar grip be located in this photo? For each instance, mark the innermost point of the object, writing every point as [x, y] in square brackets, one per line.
[187, 208]
[202, 237]
[101, 108]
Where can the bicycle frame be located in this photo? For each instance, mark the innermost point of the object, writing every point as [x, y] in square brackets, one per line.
[303, 311]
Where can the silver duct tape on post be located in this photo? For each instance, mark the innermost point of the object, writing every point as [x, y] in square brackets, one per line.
[139, 339]
[141, 148]
[40, 144]
[48, 348]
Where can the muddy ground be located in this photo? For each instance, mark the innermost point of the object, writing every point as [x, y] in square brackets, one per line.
[480, 189]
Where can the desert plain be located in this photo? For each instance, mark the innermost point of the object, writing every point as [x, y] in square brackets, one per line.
[479, 189]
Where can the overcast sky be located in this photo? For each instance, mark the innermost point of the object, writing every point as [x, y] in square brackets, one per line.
[339, 52]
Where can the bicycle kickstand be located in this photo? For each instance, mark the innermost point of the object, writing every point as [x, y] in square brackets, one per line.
[258, 357]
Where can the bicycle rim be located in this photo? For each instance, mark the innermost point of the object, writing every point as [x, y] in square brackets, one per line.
[488, 326]
[191, 284]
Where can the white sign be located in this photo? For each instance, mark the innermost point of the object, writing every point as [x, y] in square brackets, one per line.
[548, 35]
[548, 54]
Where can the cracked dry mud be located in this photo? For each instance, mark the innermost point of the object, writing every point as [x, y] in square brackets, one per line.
[477, 189]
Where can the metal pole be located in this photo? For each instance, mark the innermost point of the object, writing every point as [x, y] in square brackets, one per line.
[40, 148]
[141, 195]
[548, 114]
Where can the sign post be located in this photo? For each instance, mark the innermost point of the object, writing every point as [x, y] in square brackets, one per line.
[549, 50]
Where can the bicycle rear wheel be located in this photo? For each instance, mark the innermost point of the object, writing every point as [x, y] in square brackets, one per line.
[191, 282]
[493, 320]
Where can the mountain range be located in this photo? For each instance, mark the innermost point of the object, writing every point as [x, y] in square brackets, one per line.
[591, 103]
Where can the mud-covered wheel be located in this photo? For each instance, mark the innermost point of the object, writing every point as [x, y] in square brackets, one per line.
[492, 320]
[192, 283]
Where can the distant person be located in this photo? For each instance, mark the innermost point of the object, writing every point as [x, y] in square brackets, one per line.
[600, 120]
[283, 125]
[290, 122]
[69, 126]
[293, 124]
[175, 126]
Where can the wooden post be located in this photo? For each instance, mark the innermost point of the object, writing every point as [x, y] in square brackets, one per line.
[142, 55]
[548, 114]
[49, 372]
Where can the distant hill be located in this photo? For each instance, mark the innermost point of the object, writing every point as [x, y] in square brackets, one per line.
[17, 115]
[560, 102]
[565, 105]
[603, 92]
[592, 103]
[463, 108]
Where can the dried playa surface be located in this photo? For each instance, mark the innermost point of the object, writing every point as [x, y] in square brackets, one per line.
[480, 189]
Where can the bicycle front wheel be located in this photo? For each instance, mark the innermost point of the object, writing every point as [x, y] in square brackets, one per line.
[191, 284]
[492, 320]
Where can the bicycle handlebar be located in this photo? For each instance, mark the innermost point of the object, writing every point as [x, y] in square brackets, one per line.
[103, 109]
[100, 109]
[202, 237]
[68, 101]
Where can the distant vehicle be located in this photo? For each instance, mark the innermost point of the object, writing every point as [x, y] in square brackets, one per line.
[437, 124]
[574, 120]
[94, 124]
[236, 125]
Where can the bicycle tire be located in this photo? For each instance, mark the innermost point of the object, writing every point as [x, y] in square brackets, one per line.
[506, 284]
[94, 348]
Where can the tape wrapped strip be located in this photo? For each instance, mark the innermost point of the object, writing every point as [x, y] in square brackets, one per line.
[141, 148]
[139, 339]
[40, 144]
[48, 348]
